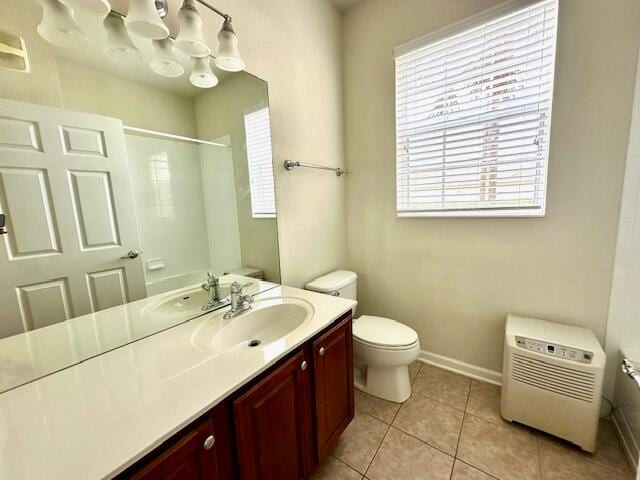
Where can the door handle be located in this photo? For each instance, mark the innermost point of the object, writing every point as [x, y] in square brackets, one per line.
[131, 254]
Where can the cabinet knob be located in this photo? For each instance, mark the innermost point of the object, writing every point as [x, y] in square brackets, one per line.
[322, 351]
[303, 365]
[208, 442]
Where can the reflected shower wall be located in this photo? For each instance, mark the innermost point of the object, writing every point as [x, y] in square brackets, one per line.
[185, 202]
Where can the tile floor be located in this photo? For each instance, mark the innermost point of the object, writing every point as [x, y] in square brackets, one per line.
[451, 429]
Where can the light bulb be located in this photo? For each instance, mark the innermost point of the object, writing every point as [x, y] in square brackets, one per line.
[164, 61]
[58, 26]
[190, 39]
[99, 8]
[119, 47]
[143, 19]
[228, 57]
[201, 74]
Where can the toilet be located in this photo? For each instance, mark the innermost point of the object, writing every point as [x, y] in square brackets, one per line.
[383, 348]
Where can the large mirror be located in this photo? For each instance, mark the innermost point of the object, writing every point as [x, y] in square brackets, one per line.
[136, 185]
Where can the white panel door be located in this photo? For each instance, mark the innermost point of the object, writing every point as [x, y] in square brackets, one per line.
[66, 193]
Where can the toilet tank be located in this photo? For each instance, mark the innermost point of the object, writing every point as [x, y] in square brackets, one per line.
[340, 283]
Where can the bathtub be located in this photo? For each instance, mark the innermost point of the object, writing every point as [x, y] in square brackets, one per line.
[173, 282]
[626, 416]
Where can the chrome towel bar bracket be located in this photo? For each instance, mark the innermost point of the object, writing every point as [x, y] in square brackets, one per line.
[628, 368]
[290, 164]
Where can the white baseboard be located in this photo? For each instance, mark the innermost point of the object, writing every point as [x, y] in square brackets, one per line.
[463, 368]
[626, 439]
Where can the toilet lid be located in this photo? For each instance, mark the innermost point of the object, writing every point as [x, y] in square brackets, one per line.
[383, 331]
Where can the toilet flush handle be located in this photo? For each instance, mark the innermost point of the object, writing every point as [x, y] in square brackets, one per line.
[336, 293]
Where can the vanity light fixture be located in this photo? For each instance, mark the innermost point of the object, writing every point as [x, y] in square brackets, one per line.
[201, 74]
[119, 47]
[190, 39]
[228, 57]
[164, 61]
[143, 19]
[99, 8]
[58, 26]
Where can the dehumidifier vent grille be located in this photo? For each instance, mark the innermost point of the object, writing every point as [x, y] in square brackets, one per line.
[554, 378]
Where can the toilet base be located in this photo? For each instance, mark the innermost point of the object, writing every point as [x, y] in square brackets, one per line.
[390, 383]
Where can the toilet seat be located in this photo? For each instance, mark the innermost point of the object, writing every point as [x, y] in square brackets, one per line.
[384, 333]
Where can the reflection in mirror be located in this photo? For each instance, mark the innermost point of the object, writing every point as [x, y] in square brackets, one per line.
[131, 197]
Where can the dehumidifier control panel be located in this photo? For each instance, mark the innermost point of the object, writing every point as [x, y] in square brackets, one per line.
[555, 350]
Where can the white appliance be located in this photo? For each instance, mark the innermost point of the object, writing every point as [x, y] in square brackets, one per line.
[552, 379]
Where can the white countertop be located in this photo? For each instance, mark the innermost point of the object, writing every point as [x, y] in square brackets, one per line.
[100, 416]
[34, 354]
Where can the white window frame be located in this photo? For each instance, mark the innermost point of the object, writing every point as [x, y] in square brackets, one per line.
[254, 213]
[451, 30]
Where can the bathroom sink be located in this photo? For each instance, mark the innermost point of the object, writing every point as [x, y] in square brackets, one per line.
[269, 321]
[186, 303]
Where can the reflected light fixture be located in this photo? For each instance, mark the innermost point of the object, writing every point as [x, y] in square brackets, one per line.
[119, 47]
[99, 8]
[201, 74]
[228, 57]
[144, 20]
[164, 61]
[190, 39]
[58, 26]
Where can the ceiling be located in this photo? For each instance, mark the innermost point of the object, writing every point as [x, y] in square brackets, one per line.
[344, 5]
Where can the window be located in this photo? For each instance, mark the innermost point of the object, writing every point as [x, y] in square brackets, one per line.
[473, 115]
[258, 132]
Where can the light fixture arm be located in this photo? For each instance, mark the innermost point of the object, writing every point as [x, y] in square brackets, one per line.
[214, 9]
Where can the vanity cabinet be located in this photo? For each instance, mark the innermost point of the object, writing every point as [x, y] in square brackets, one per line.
[202, 451]
[279, 427]
[333, 385]
[273, 424]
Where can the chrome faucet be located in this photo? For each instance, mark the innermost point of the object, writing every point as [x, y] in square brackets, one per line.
[239, 303]
[212, 285]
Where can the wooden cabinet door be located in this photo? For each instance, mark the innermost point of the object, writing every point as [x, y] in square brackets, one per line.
[333, 373]
[273, 424]
[201, 452]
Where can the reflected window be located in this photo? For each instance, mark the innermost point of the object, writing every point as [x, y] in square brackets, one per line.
[161, 180]
[259, 156]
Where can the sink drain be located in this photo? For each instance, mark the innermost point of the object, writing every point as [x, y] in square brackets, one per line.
[254, 343]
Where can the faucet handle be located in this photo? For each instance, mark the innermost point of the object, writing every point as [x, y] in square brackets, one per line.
[237, 287]
[211, 277]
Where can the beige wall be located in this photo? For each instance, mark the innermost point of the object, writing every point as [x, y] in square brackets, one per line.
[137, 104]
[219, 112]
[454, 280]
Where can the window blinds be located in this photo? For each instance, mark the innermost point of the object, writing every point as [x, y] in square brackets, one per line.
[258, 132]
[473, 114]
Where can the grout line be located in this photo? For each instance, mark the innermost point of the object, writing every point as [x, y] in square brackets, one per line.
[460, 435]
[377, 449]
[466, 404]
[422, 441]
[347, 465]
[436, 400]
[476, 468]
[397, 412]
